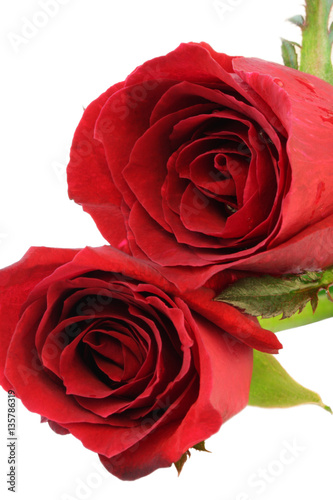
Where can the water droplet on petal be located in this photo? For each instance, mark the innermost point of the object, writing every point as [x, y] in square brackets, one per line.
[328, 118]
[306, 84]
[278, 82]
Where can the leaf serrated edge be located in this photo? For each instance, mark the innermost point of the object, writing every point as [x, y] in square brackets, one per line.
[322, 280]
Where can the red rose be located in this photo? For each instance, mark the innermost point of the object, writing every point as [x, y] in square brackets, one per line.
[102, 346]
[203, 162]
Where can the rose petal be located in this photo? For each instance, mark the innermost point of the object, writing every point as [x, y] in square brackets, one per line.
[23, 370]
[293, 96]
[16, 282]
[88, 175]
[167, 444]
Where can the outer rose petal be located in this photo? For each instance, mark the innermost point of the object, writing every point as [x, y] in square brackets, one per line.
[311, 250]
[225, 373]
[231, 320]
[16, 282]
[304, 105]
[88, 174]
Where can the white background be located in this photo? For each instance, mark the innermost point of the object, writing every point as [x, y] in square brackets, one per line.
[47, 80]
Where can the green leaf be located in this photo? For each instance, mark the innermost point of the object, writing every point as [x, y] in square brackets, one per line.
[330, 34]
[269, 296]
[289, 54]
[298, 20]
[272, 387]
[324, 310]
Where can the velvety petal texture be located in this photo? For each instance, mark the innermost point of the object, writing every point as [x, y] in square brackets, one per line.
[104, 347]
[201, 162]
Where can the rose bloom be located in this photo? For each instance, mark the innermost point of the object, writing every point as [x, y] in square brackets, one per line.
[102, 346]
[200, 162]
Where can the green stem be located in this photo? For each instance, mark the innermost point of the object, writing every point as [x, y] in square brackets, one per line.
[316, 42]
[327, 277]
[324, 310]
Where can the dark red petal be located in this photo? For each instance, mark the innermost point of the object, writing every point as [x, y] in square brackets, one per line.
[159, 245]
[200, 213]
[172, 192]
[129, 116]
[16, 282]
[189, 62]
[244, 328]
[109, 259]
[247, 218]
[219, 398]
[112, 440]
[309, 250]
[89, 181]
[78, 377]
[50, 348]
[293, 96]
[116, 331]
[108, 407]
[147, 167]
[227, 317]
[57, 428]
[26, 374]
